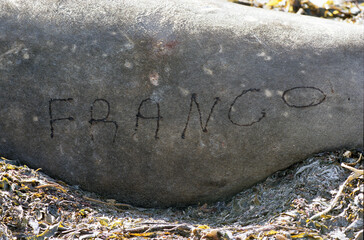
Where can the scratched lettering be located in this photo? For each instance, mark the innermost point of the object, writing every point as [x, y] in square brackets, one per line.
[303, 97]
[203, 127]
[141, 116]
[263, 114]
[296, 97]
[103, 120]
[53, 120]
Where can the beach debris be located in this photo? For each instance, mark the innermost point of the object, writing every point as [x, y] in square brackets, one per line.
[319, 198]
[350, 11]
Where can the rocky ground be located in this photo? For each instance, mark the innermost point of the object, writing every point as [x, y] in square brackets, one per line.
[320, 198]
[351, 11]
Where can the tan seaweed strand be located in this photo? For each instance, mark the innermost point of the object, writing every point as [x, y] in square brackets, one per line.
[108, 203]
[356, 174]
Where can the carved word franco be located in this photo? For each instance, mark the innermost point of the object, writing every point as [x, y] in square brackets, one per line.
[193, 101]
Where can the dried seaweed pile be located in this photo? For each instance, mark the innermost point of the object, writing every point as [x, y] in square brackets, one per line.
[320, 198]
[350, 11]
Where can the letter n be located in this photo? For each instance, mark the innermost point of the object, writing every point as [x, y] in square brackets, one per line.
[203, 126]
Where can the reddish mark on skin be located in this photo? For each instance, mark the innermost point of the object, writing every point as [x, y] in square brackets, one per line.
[161, 49]
[172, 44]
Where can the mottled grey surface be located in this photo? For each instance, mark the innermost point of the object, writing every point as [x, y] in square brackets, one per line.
[159, 103]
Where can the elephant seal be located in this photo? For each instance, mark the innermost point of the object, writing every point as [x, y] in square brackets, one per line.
[169, 103]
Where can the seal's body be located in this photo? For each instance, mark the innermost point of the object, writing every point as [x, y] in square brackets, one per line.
[161, 103]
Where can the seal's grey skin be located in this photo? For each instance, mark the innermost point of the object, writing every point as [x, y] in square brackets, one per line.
[160, 103]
